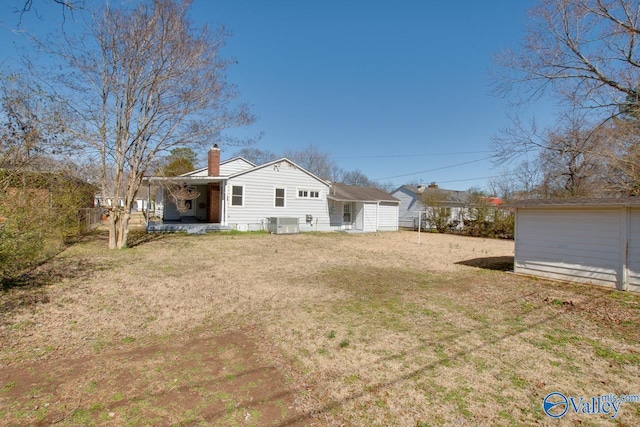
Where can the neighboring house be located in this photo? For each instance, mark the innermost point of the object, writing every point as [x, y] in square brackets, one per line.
[411, 196]
[237, 194]
[584, 240]
[139, 204]
[362, 208]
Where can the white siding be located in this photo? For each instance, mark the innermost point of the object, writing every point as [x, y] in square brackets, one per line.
[634, 251]
[198, 172]
[357, 215]
[579, 245]
[227, 168]
[388, 217]
[409, 204]
[234, 166]
[370, 217]
[171, 212]
[259, 198]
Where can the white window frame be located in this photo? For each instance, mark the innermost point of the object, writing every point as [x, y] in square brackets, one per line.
[308, 192]
[232, 196]
[275, 197]
[346, 211]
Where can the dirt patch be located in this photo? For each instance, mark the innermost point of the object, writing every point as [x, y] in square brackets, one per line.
[213, 379]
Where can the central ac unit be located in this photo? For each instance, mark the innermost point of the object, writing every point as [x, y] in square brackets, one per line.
[280, 225]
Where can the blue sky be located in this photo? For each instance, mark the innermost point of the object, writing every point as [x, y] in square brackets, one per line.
[399, 90]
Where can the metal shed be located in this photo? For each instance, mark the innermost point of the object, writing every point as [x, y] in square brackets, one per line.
[583, 240]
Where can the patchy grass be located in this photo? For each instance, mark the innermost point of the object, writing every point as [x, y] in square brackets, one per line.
[315, 329]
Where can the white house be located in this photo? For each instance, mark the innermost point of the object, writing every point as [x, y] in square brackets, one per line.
[362, 208]
[410, 197]
[237, 194]
[584, 240]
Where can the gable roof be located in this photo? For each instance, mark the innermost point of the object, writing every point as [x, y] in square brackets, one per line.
[233, 159]
[451, 196]
[354, 193]
[278, 162]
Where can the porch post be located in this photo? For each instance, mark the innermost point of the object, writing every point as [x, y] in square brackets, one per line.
[223, 204]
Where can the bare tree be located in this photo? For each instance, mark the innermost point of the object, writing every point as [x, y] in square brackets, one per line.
[623, 162]
[33, 129]
[255, 155]
[585, 53]
[571, 155]
[67, 8]
[357, 177]
[144, 81]
[584, 50]
[505, 186]
[314, 160]
[24, 6]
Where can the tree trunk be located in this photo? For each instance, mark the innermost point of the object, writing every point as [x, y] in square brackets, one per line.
[114, 220]
[123, 232]
[119, 228]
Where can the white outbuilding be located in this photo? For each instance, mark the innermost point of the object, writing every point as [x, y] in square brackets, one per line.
[583, 240]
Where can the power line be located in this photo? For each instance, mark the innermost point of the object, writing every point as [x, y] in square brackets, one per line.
[475, 179]
[386, 156]
[436, 169]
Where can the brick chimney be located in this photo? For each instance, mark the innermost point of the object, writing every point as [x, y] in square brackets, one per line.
[214, 161]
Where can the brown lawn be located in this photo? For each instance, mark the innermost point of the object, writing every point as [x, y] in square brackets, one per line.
[313, 329]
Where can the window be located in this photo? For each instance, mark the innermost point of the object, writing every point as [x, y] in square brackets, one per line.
[279, 201]
[346, 213]
[308, 194]
[236, 195]
[445, 212]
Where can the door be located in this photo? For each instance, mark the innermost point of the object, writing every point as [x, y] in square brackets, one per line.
[346, 216]
[191, 208]
[213, 211]
[190, 205]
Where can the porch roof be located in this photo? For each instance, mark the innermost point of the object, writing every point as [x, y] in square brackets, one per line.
[190, 180]
[354, 193]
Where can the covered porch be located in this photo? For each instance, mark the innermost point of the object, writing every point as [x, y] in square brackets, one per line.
[346, 215]
[205, 212]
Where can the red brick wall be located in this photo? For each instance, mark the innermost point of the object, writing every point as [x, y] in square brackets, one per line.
[214, 161]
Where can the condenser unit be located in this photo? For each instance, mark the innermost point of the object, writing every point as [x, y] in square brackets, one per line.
[279, 225]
